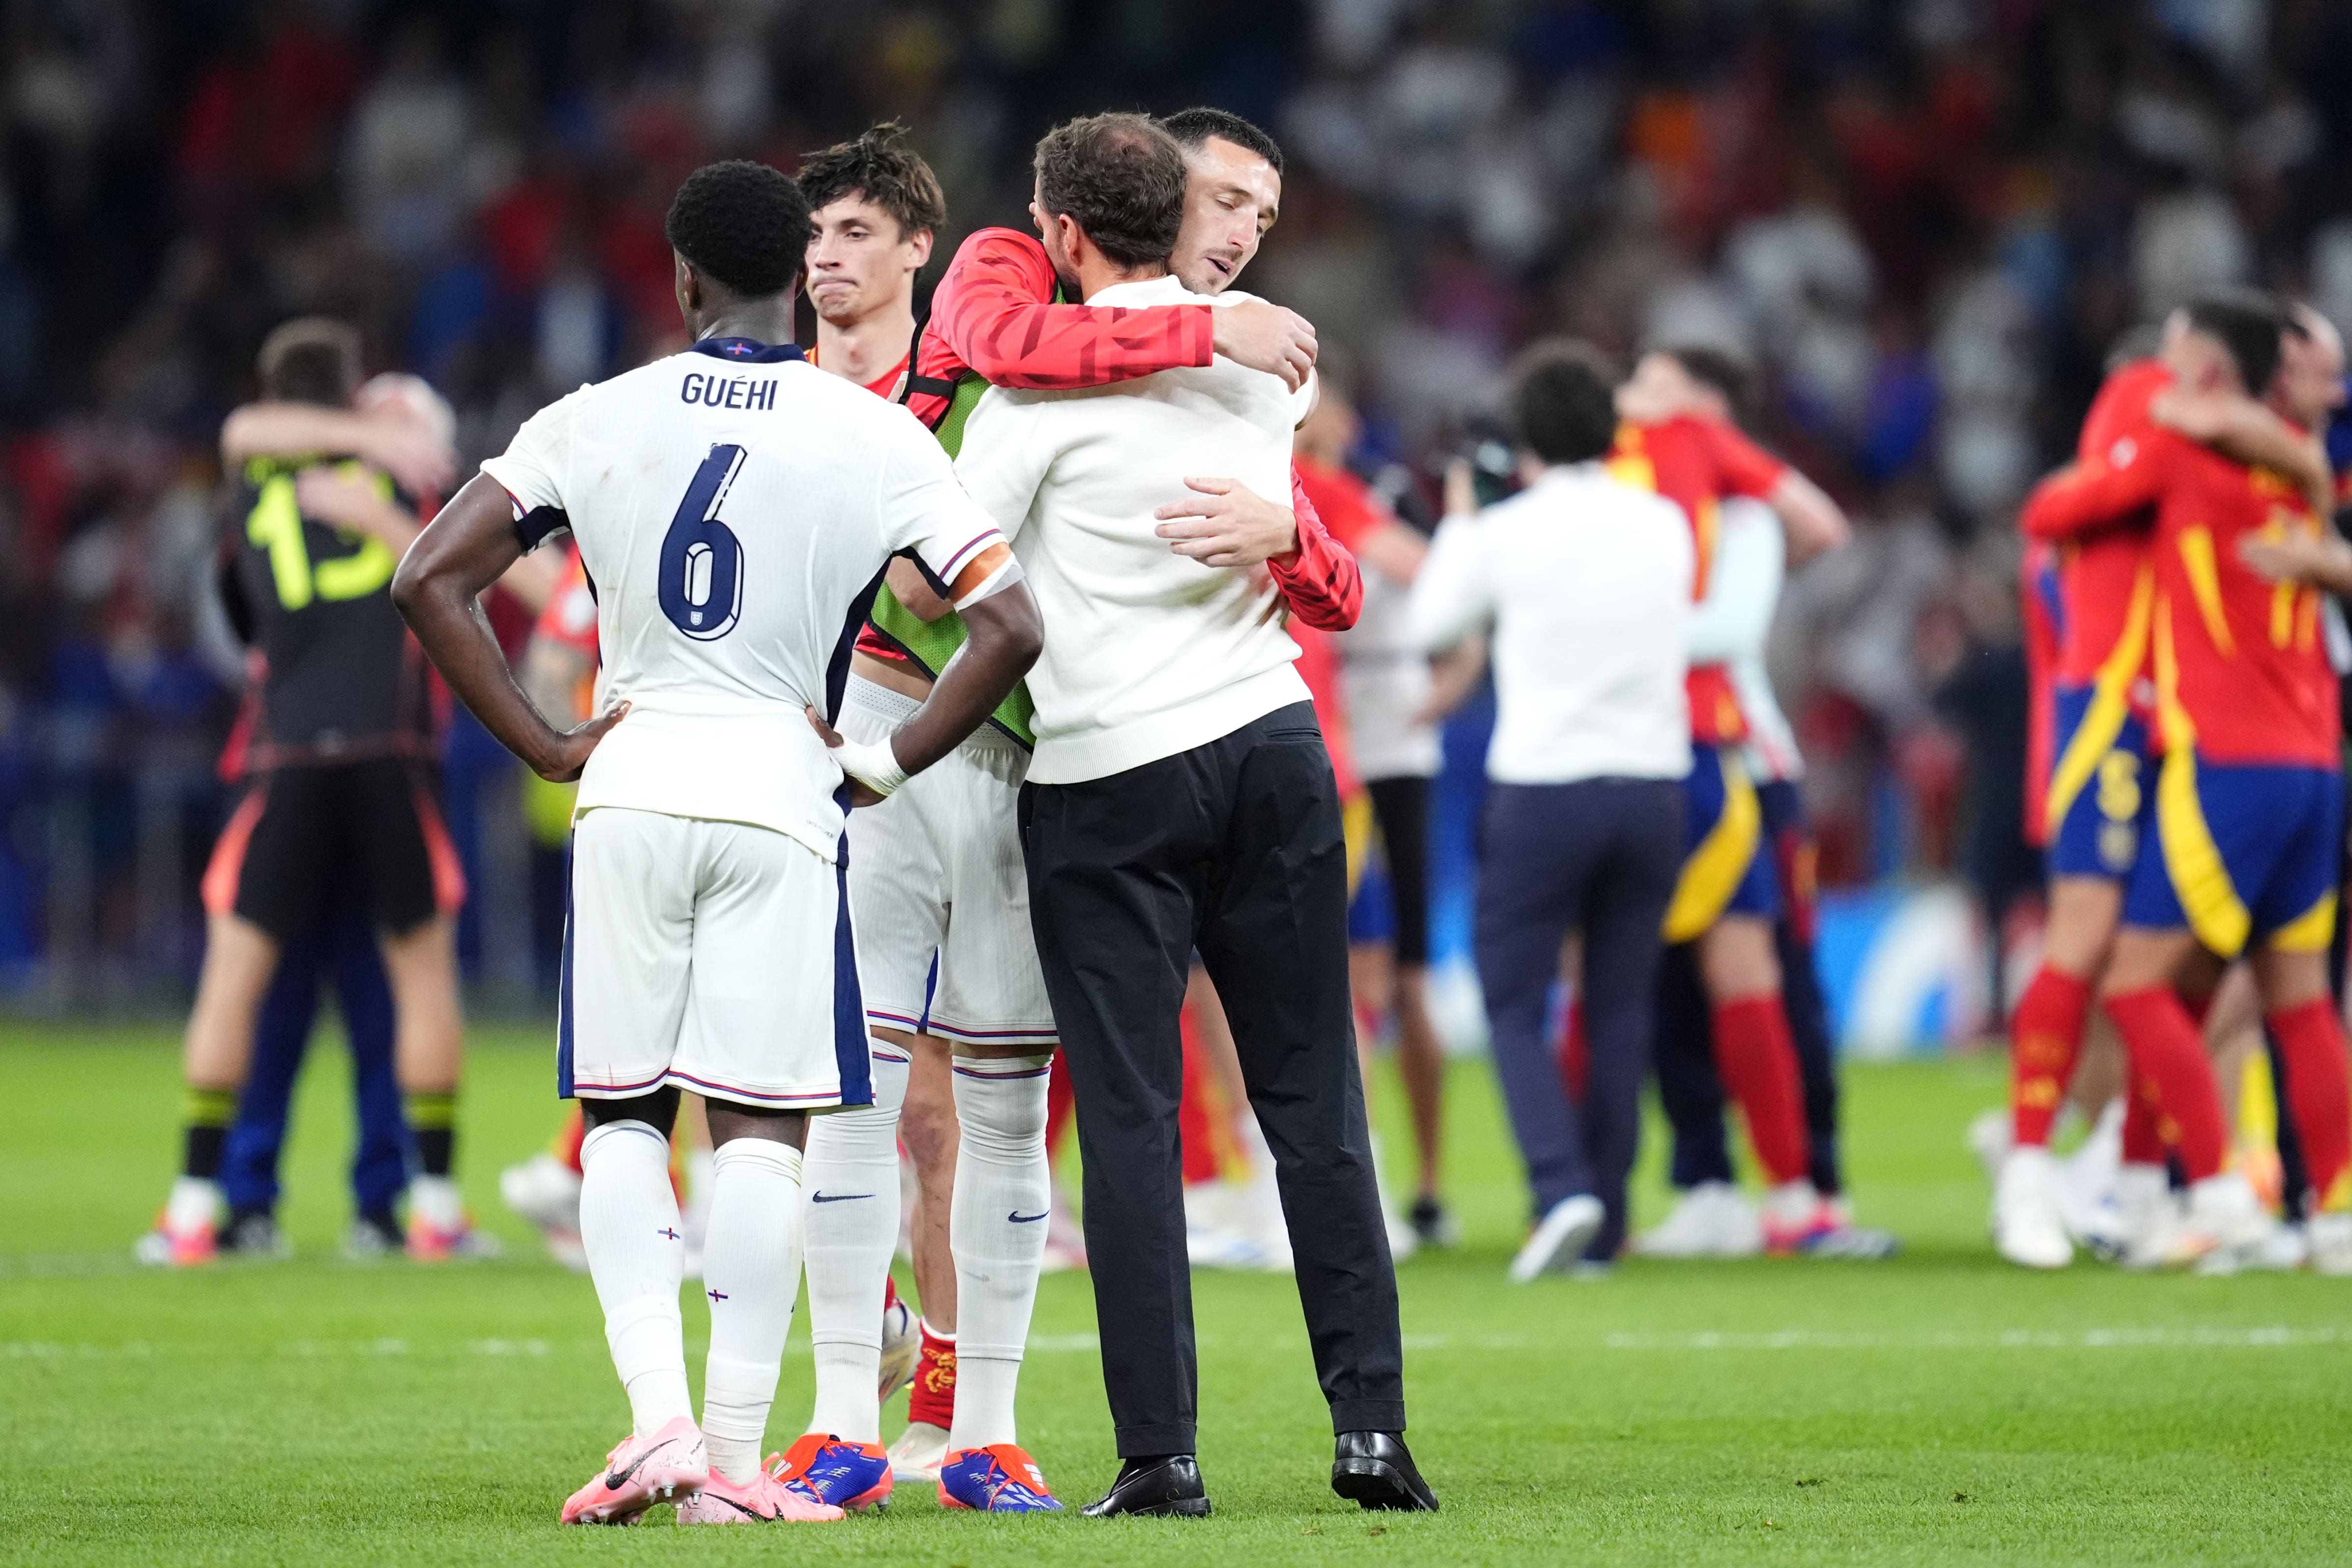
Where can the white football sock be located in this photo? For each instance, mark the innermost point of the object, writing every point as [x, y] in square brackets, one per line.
[628, 1226]
[750, 1272]
[1003, 1190]
[436, 1201]
[850, 1220]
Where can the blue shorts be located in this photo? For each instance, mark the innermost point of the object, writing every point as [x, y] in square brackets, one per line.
[1724, 870]
[2100, 803]
[2246, 855]
[1372, 914]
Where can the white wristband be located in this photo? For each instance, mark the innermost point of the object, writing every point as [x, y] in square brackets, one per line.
[872, 763]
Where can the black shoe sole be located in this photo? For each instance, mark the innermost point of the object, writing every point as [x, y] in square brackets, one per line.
[1183, 1508]
[1375, 1484]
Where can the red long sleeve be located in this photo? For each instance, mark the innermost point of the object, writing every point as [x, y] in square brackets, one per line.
[1320, 582]
[2087, 495]
[993, 313]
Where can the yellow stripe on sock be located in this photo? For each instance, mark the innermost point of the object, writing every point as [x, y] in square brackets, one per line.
[431, 1112]
[209, 1107]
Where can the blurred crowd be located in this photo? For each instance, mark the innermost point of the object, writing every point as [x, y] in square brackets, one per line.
[1925, 219]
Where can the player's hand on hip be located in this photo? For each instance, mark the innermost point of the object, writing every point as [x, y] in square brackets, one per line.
[866, 766]
[1267, 336]
[563, 762]
[1224, 523]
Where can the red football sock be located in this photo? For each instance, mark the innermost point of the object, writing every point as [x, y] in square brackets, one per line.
[568, 1137]
[2046, 1037]
[1061, 1104]
[2143, 1132]
[1759, 1064]
[2169, 1066]
[1574, 1053]
[932, 1397]
[2318, 1095]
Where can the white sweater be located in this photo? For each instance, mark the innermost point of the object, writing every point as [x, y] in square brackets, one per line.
[1147, 653]
[1587, 582]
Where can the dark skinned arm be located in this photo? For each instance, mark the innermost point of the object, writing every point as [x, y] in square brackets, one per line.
[469, 544]
[1003, 635]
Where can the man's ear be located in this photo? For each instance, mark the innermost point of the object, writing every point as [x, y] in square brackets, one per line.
[921, 240]
[687, 282]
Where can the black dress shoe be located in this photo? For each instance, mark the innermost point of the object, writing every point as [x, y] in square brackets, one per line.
[1170, 1485]
[1375, 1471]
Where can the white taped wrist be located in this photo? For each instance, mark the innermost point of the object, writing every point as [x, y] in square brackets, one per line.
[872, 763]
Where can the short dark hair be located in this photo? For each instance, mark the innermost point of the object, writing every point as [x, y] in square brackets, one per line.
[1562, 402]
[742, 224]
[1727, 371]
[1121, 177]
[2247, 323]
[878, 166]
[1193, 126]
[312, 359]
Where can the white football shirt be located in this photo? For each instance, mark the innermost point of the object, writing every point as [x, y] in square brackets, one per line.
[1147, 653]
[733, 505]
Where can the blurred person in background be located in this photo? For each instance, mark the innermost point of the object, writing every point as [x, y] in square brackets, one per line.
[394, 420]
[1387, 691]
[1584, 582]
[1675, 438]
[1749, 564]
[343, 760]
[2248, 796]
[2093, 793]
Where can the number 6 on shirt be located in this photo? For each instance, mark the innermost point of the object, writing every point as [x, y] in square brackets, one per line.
[701, 583]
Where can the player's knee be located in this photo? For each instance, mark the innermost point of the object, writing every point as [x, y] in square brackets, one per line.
[930, 1130]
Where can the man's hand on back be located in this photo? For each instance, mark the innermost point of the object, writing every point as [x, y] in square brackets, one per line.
[1226, 524]
[1266, 337]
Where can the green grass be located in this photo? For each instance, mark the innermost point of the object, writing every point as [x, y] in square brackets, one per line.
[1939, 1408]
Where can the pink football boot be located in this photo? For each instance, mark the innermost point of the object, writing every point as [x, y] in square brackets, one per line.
[640, 1472]
[765, 1501]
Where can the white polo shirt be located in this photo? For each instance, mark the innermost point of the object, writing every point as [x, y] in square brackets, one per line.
[1148, 654]
[1586, 582]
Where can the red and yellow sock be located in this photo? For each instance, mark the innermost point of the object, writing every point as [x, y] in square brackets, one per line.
[932, 1397]
[1757, 1060]
[2046, 1035]
[2169, 1068]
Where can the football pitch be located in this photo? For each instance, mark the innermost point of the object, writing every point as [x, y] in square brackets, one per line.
[1940, 1407]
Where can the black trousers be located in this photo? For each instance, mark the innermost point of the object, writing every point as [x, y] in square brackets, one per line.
[1232, 848]
[1600, 855]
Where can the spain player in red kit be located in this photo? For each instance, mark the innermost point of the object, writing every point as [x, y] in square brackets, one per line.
[1727, 897]
[2091, 789]
[2249, 803]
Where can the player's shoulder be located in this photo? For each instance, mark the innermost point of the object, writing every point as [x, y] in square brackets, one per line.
[999, 247]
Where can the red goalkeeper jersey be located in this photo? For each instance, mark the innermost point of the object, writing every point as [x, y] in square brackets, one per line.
[2242, 671]
[1694, 463]
[994, 322]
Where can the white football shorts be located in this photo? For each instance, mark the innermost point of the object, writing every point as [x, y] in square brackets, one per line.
[936, 876]
[716, 957]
